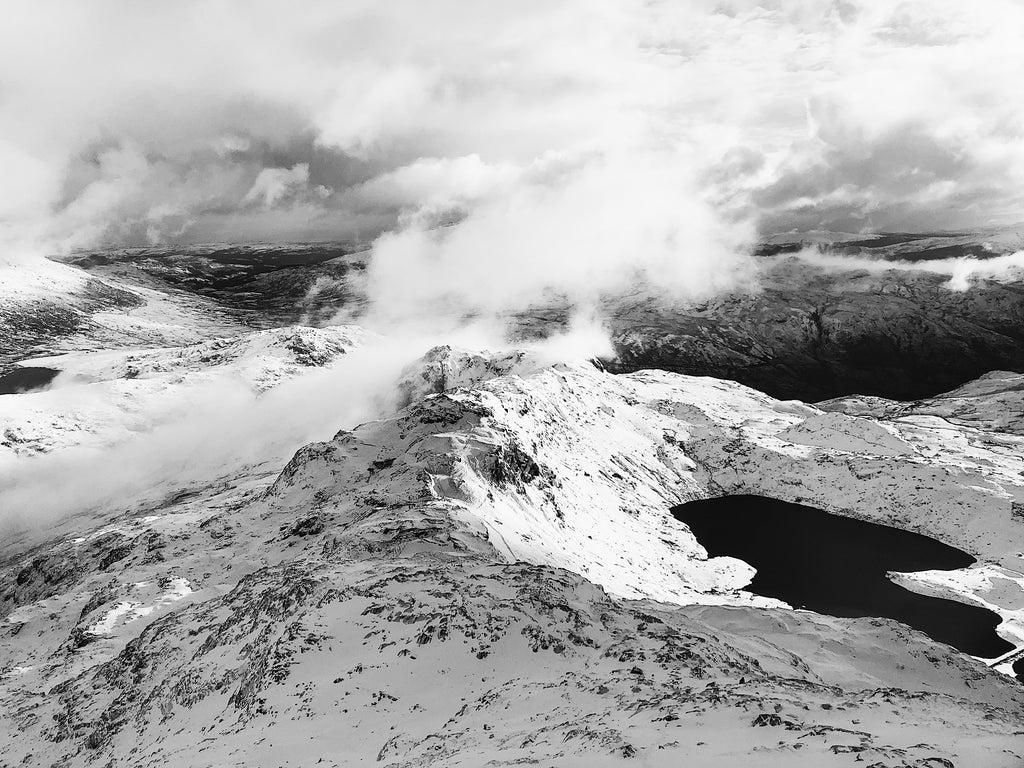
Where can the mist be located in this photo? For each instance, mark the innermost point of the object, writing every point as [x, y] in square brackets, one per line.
[491, 156]
[536, 142]
[198, 432]
[961, 271]
[214, 426]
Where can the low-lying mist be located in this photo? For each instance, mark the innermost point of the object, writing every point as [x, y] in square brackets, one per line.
[493, 156]
[193, 434]
[962, 271]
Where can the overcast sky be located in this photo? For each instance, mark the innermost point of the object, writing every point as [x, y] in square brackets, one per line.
[493, 153]
[618, 123]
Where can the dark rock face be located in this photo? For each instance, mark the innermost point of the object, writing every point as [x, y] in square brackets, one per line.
[812, 336]
[48, 571]
[514, 465]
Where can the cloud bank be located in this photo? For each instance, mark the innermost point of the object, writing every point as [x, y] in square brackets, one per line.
[962, 271]
[622, 137]
[209, 425]
[495, 155]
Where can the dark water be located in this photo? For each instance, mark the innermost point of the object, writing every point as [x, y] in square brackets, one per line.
[26, 379]
[1018, 669]
[837, 565]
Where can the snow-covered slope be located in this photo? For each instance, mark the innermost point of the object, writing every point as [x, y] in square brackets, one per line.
[103, 397]
[47, 307]
[992, 403]
[31, 278]
[491, 575]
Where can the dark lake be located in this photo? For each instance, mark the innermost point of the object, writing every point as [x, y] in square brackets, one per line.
[26, 379]
[837, 565]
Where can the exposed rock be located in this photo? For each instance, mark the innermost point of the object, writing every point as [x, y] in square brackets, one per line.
[812, 334]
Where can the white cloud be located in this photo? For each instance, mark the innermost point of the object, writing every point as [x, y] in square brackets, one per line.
[962, 271]
[437, 182]
[602, 227]
[500, 153]
[272, 185]
[123, 123]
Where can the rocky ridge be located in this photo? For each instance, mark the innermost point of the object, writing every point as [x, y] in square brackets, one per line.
[507, 541]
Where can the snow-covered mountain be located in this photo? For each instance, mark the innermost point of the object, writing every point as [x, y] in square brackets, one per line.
[102, 397]
[489, 574]
[48, 307]
[825, 315]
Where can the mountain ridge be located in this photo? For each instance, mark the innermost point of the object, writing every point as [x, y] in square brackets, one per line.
[489, 532]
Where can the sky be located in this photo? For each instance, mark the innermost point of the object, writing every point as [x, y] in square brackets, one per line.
[594, 142]
[126, 122]
[497, 154]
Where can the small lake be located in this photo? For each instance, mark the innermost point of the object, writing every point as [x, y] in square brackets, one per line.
[26, 379]
[837, 565]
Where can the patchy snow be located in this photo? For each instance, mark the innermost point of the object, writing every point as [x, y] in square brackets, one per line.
[17, 671]
[126, 611]
[261, 354]
[861, 436]
[122, 610]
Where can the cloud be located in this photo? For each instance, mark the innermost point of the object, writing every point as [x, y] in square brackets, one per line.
[962, 271]
[272, 185]
[476, 137]
[207, 426]
[591, 230]
[210, 425]
[435, 184]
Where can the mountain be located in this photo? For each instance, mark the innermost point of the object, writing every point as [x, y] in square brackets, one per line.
[47, 307]
[101, 397]
[901, 316]
[270, 283]
[488, 574]
[814, 332]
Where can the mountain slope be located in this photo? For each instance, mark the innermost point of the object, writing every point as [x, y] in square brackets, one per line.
[446, 586]
[901, 316]
[104, 397]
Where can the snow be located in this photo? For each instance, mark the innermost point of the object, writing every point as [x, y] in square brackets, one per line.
[106, 624]
[102, 398]
[127, 611]
[624, 449]
[998, 589]
[34, 279]
[504, 538]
